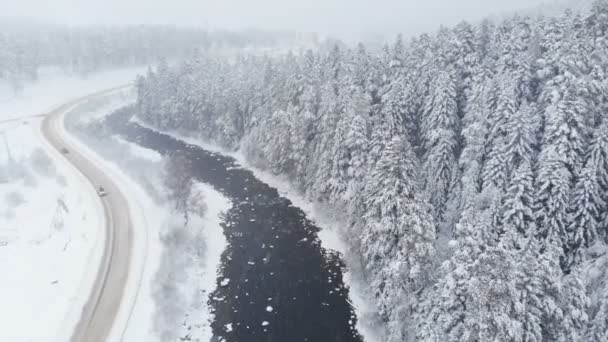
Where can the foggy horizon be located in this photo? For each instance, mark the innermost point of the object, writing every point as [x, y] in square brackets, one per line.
[349, 20]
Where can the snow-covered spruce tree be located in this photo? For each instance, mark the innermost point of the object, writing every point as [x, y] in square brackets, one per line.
[303, 124]
[477, 297]
[565, 136]
[565, 306]
[397, 239]
[390, 109]
[553, 185]
[468, 61]
[443, 314]
[440, 130]
[585, 205]
[357, 146]
[330, 111]
[505, 291]
[495, 168]
[472, 157]
[519, 205]
[278, 148]
[340, 159]
[521, 138]
[598, 159]
[567, 128]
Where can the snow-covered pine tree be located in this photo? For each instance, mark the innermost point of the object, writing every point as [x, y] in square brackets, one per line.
[476, 298]
[585, 205]
[521, 137]
[519, 203]
[474, 138]
[567, 128]
[565, 303]
[398, 237]
[598, 159]
[553, 185]
[357, 145]
[495, 168]
[441, 128]
[330, 112]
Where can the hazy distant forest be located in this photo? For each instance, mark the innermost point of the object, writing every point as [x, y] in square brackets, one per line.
[469, 167]
[27, 49]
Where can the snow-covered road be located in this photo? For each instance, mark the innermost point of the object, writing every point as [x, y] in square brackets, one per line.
[51, 222]
[103, 305]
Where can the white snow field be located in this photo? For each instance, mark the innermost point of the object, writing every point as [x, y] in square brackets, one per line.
[51, 233]
[55, 89]
[167, 297]
[51, 228]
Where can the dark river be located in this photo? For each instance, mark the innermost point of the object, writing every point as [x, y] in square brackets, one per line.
[276, 283]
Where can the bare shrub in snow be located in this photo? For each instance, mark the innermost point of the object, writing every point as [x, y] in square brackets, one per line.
[178, 182]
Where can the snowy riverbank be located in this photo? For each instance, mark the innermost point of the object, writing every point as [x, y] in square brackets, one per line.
[369, 324]
[175, 266]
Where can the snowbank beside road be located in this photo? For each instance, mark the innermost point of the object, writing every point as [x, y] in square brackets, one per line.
[174, 267]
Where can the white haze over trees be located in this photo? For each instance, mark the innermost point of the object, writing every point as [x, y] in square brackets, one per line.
[345, 19]
[472, 165]
[25, 50]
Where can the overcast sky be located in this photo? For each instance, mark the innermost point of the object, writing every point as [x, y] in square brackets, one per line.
[344, 18]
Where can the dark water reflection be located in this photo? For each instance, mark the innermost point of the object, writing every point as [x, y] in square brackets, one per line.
[277, 284]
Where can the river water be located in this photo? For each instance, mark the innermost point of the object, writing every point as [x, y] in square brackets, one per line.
[276, 283]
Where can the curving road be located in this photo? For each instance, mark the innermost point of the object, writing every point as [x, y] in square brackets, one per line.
[101, 309]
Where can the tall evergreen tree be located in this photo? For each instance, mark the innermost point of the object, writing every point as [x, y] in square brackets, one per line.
[398, 238]
[441, 130]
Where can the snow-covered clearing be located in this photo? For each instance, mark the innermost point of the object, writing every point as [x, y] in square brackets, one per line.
[55, 89]
[369, 324]
[51, 235]
[175, 267]
[51, 231]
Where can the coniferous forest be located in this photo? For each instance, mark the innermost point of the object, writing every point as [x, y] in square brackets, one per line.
[470, 166]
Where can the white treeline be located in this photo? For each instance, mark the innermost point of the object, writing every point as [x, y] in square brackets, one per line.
[26, 48]
[472, 164]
